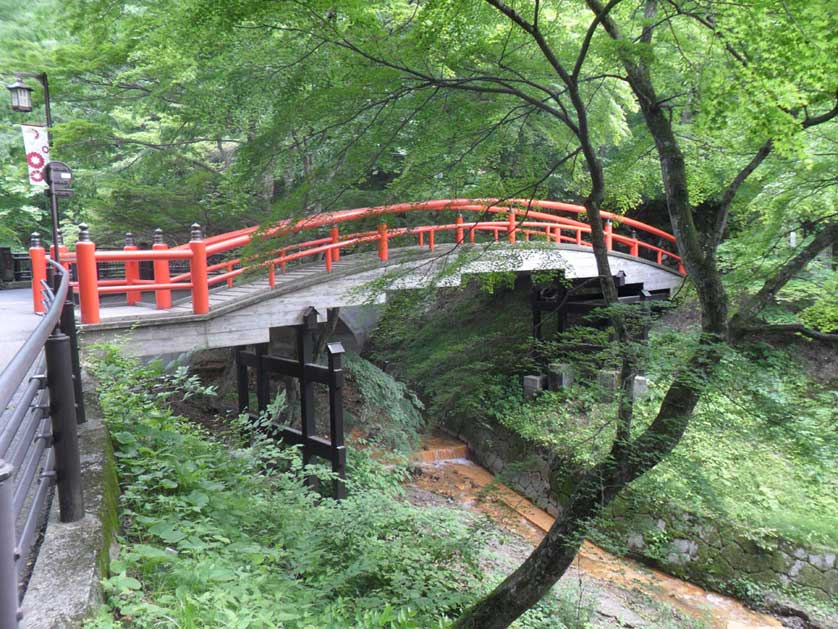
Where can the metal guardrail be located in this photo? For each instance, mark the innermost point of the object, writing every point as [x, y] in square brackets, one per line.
[38, 441]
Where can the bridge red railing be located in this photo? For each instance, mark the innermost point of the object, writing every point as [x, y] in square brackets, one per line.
[211, 263]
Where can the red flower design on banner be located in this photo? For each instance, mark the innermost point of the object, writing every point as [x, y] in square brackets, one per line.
[36, 176]
[35, 160]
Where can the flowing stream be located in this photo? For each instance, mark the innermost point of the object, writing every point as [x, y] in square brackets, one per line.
[448, 472]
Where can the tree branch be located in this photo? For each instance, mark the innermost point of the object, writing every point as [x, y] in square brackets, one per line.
[789, 329]
[723, 209]
[754, 304]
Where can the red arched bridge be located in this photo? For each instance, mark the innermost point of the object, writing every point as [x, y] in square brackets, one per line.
[205, 293]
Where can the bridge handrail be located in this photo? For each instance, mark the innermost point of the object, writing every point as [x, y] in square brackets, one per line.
[524, 217]
[37, 401]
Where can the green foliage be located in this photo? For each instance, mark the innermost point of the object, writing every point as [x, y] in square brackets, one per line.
[213, 537]
[822, 315]
[452, 352]
[391, 415]
[759, 453]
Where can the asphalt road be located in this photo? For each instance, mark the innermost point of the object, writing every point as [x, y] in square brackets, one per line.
[16, 321]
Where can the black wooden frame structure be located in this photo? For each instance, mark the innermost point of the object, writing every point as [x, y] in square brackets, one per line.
[582, 296]
[308, 374]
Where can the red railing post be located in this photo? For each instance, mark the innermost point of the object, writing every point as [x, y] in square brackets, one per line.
[431, 238]
[328, 258]
[471, 231]
[335, 234]
[132, 270]
[39, 270]
[634, 248]
[198, 268]
[578, 235]
[609, 234]
[88, 276]
[162, 297]
[271, 274]
[383, 245]
[510, 229]
[229, 269]
[459, 232]
[421, 239]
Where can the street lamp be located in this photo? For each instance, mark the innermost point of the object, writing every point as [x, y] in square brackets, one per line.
[59, 178]
[21, 95]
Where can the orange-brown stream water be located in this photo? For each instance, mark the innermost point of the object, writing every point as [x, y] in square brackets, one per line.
[447, 472]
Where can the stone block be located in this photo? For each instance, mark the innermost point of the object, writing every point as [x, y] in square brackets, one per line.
[639, 388]
[533, 385]
[559, 376]
[609, 382]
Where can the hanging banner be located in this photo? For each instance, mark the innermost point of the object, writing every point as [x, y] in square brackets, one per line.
[36, 143]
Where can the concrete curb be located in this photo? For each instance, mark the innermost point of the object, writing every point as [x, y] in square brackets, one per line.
[65, 587]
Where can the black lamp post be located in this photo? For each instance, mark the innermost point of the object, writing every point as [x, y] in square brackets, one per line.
[22, 101]
[58, 177]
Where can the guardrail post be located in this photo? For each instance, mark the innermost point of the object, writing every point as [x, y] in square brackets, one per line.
[88, 276]
[62, 408]
[431, 237]
[162, 297]
[383, 245]
[39, 270]
[68, 326]
[198, 267]
[609, 234]
[421, 239]
[335, 234]
[271, 274]
[510, 228]
[459, 231]
[8, 566]
[132, 270]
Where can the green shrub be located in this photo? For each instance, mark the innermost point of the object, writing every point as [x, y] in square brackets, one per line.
[233, 538]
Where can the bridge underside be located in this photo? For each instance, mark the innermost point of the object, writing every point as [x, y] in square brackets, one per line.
[244, 314]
